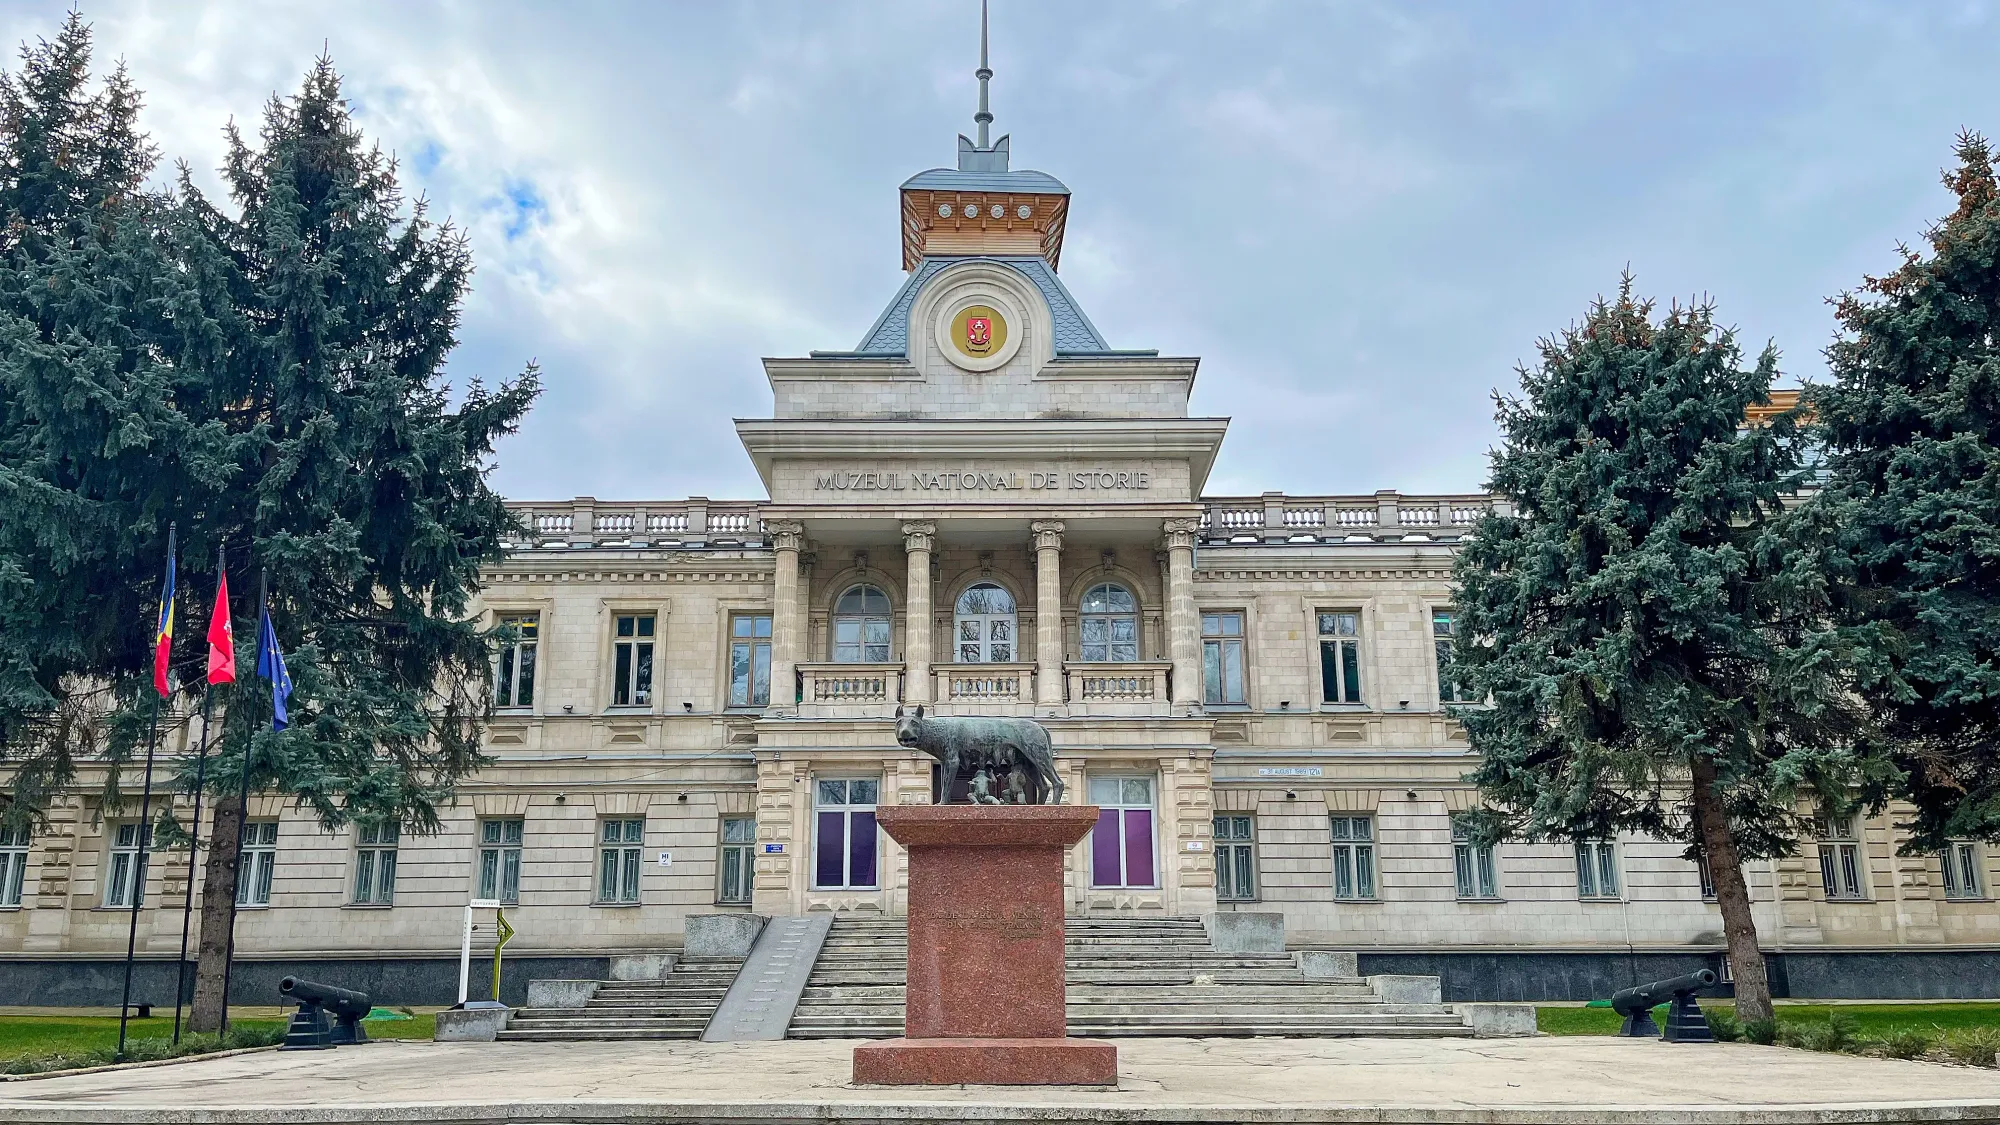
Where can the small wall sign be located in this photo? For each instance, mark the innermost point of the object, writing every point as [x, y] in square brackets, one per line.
[666, 859]
[1195, 845]
[1288, 771]
[774, 849]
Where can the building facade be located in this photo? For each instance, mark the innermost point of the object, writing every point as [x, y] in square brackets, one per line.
[985, 509]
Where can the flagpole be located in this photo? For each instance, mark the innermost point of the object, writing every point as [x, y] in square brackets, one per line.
[243, 805]
[194, 834]
[145, 815]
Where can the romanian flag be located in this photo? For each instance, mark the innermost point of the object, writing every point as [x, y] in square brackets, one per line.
[163, 637]
[221, 637]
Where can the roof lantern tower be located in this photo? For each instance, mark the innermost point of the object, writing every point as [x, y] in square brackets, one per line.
[981, 207]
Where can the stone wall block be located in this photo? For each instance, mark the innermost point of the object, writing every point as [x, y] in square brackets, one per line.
[1245, 931]
[722, 935]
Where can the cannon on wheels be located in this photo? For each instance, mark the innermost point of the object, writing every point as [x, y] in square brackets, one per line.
[1685, 1023]
[310, 1028]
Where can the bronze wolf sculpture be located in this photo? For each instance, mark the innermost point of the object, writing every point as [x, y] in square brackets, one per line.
[1000, 744]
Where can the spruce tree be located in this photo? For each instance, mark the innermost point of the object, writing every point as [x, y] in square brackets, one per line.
[1653, 652]
[1911, 424]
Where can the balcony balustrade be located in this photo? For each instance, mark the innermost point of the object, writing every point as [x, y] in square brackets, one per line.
[1118, 687]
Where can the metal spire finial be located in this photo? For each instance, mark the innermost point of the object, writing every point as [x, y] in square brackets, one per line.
[985, 116]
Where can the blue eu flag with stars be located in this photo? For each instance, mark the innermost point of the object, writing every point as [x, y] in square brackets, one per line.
[271, 667]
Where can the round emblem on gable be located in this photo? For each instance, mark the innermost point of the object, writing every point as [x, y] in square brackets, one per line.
[979, 332]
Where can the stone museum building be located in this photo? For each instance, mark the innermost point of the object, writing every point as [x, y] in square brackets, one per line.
[985, 507]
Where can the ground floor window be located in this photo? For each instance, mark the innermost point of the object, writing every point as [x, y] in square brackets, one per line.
[1473, 863]
[1235, 858]
[1840, 869]
[1353, 857]
[1961, 870]
[259, 857]
[13, 863]
[1596, 869]
[738, 860]
[1121, 845]
[125, 882]
[844, 833]
[375, 864]
[618, 854]
[500, 860]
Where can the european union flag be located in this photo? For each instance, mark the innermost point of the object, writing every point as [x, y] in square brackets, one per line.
[271, 667]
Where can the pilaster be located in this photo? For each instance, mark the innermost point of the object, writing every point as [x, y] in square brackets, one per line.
[919, 539]
[1048, 616]
[1183, 626]
[787, 632]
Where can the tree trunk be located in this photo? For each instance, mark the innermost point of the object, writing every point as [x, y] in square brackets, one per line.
[1732, 894]
[218, 914]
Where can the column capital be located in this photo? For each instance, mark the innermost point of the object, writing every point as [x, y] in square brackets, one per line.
[919, 535]
[1179, 532]
[1048, 534]
[786, 535]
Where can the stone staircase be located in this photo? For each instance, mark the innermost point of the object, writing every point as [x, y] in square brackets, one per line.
[676, 1006]
[1126, 977]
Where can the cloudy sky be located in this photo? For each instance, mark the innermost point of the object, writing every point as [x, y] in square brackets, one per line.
[1360, 215]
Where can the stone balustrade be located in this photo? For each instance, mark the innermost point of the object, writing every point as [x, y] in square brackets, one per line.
[828, 690]
[1118, 687]
[1387, 516]
[967, 687]
[589, 522]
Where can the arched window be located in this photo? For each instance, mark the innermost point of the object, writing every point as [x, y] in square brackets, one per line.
[861, 626]
[985, 623]
[1110, 623]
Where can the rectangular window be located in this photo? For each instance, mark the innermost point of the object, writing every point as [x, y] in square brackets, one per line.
[632, 660]
[1961, 871]
[259, 856]
[1121, 844]
[1473, 863]
[739, 859]
[13, 864]
[1840, 865]
[1702, 873]
[1222, 659]
[1340, 657]
[375, 864]
[844, 833]
[1353, 857]
[125, 882]
[1596, 869]
[750, 660]
[619, 854]
[1235, 858]
[500, 860]
[515, 684]
[1444, 634]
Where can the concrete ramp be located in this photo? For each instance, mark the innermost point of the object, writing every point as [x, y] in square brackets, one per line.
[759, 1004]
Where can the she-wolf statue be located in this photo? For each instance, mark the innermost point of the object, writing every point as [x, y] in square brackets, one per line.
[1001, 745]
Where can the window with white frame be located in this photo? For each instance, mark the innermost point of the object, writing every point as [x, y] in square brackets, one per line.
[375, 864]
[1339, 657]
[1235, 858]
[1597, 869]
[861, 626]
[1444, 636]
[845, 844]
[1222, 659]
[259, 857]
[738, 862]
[632, 660]
[1472, 863]
[619, 847]
[984, 622]
[1122, 842]
[1353, 857]
[750, 660]
[1109, 623]
[125, 879]
[500, 860]
[13, 863]
[1961, 870]
[514, 681]
[1841, 871]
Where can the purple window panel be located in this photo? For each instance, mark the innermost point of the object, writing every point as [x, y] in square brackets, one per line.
[861, 845]
[1104, 870]
[1138, 847]
[832, 849]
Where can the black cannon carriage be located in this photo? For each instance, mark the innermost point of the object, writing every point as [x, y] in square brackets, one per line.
[1685, 1023]
[310, 1028]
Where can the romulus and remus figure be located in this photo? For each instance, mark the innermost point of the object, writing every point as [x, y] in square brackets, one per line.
[1001, 745]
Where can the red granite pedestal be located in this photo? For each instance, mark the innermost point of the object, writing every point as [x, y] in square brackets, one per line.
[985, 1001]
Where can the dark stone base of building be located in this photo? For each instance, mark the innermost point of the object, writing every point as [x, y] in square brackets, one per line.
[1814, 974]
[73, 982]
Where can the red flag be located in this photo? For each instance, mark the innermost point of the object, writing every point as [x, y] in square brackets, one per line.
[221, 637]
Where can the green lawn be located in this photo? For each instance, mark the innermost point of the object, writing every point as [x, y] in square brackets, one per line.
[1870, 1020]
[90, 1040]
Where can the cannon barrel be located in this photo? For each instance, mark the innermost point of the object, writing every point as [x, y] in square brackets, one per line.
[1642, 998]
[340, 1001]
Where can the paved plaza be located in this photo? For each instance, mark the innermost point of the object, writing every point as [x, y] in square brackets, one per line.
[1560, 1081]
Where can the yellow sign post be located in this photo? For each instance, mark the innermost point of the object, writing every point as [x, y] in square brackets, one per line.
[503, 932]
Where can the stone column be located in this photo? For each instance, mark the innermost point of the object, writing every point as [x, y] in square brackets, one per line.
[919, 537]
[1183, 624]
[1048, 614]
[787, 638]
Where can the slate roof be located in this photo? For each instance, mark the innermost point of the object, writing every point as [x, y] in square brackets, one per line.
[1074, 333]
[951, 179]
